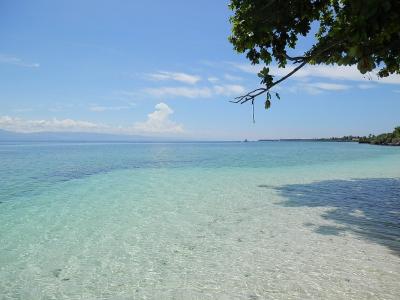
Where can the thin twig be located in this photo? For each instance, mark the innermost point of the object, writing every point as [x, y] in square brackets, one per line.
[250, 96]
[252, 103]
[257, 92]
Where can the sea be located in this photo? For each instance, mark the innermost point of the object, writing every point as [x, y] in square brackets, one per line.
[199, 220]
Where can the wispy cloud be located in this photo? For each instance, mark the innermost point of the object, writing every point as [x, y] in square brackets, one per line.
[329, 86]
[322, 71]
[12, 60]
[229, 89]
[392, 79]
[23, 125]
[185, 92]
[159, 121]
[364, 86]
[231, 77]
[319, 87]
[22, 110]
[174, 76]
[197, 92]
[100, 108]
[213, 79]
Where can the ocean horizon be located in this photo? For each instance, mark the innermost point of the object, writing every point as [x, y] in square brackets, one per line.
[199, 220]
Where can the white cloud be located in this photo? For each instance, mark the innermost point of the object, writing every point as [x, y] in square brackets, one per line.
[254, 69]
[99, 108]
[322, 71]
[232, 77]
[12, 60]
[159, 122]
[317, 87]
[229, 89]
[194, 92]
[23, 125]
[309, 89]
[22, 110]
[175, 76]
[186, 92]
[329, 86]
[213, 79]
[392, 79]
[364, 86]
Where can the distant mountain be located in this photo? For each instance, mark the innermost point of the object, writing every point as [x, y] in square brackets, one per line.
[9, 136]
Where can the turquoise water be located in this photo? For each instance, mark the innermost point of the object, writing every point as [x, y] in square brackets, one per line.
[266, 220]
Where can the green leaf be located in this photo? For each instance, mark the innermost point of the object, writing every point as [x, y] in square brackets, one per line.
[277, 96]
[267, 104]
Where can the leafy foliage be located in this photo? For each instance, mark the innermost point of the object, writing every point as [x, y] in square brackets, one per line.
[365, 33]
[383, 139]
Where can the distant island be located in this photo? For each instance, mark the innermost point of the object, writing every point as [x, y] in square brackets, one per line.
[389, 139]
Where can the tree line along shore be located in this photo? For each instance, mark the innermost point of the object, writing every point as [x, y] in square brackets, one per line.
[389, 139]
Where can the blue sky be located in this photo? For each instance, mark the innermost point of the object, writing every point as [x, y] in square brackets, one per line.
[165, 68]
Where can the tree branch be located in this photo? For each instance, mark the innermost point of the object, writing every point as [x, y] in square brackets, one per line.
[250, 96]
[257, 92]
[295, 59]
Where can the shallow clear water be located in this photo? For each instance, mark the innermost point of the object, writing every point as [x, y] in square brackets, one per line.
[267, 220]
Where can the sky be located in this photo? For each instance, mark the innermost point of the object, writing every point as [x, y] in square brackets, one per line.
[166, 68]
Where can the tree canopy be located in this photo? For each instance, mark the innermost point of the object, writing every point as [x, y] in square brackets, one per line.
[365, 33]
[392, 139]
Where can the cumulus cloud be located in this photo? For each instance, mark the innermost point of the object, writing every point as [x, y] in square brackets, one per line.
[175, 76]
[12, 60]
[159, 122]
